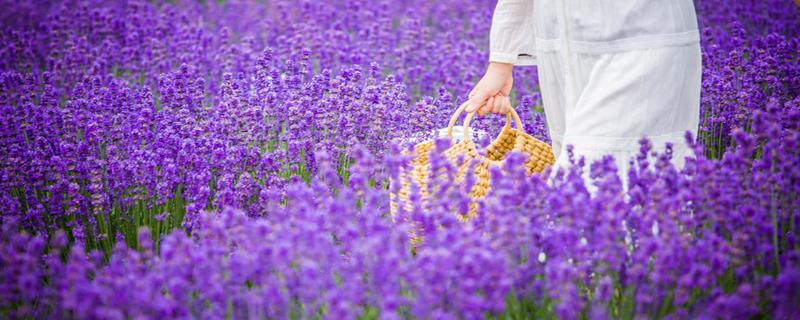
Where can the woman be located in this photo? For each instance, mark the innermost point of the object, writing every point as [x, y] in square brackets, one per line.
[610, 72]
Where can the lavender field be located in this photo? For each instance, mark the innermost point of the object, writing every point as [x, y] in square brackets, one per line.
[232, 159]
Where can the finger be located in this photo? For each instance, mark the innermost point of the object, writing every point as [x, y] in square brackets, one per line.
[498, 104]
[476, 100]
[506, 106]
[487, 107]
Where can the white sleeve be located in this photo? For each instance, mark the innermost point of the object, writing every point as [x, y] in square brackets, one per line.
[511, 39]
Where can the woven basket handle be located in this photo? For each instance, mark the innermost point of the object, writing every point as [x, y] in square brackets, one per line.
[469, 116]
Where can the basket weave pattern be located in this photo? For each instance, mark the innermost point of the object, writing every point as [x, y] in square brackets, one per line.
[464, 153]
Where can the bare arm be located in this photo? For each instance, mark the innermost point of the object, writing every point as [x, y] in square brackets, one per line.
[511, 42]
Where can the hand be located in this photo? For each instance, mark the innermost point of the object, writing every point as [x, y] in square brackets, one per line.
[493, 89]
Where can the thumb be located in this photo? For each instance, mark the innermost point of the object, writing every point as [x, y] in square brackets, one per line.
[477, 100]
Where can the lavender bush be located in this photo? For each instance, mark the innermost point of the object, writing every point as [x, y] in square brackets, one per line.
[217, 159]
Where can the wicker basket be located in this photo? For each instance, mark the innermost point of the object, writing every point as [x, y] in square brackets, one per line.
[540, 155]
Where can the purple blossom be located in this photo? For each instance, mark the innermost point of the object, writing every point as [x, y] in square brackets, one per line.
[234, 159]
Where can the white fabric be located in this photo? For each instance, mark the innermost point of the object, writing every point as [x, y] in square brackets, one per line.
[620, 98]
[521, 27]
[511, 38]
[610, 71]
[421, 136]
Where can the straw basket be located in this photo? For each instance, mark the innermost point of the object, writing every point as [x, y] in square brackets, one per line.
[464, 153]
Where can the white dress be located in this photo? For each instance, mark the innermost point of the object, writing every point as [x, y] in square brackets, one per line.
[610, 71]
